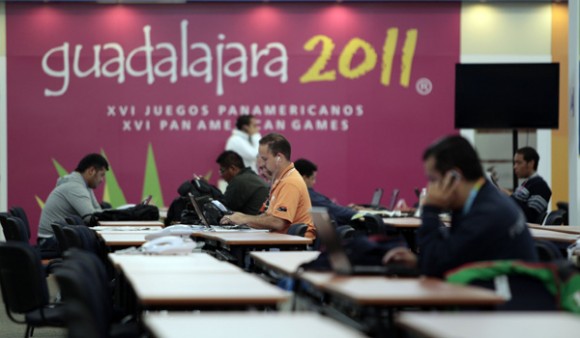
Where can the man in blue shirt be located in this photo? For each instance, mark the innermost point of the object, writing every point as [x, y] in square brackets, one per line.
[308, 170]
[485, 224]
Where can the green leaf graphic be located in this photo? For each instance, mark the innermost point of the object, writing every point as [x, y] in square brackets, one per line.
[113, 193]
[151, 185]
[39, 201]
[59, 168]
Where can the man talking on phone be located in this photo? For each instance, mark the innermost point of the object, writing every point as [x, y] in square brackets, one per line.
[485, 223]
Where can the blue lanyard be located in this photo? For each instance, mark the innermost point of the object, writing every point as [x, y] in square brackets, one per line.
[472, 194]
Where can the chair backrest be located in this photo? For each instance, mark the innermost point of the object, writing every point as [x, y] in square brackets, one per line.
[74, 220]
[15, 230]
[74, 284]
[57, 229]
[555, 217]
[345, 231]
[22, 278]
[20, 213]
[298, 229]
[72, 238]
[547, 251]
[372, 224]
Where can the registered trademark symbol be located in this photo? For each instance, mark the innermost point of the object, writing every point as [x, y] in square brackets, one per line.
[424, 86]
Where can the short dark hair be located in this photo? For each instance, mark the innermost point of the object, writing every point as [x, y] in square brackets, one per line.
[529, 154]
[455, 152]
[230, 158]
[277, 144]
[305, 167]
[243, 120]
[96, 161]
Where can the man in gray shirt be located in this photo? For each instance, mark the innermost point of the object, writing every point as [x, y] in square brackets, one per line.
[73, 195]
[246, 191]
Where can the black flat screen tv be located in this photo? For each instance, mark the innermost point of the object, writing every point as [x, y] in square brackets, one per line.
[507, 96]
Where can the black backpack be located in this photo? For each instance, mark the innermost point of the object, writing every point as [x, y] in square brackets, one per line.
[139, 212]
[181, 210]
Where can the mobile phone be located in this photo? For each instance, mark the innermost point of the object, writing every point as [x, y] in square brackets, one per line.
[454, 176]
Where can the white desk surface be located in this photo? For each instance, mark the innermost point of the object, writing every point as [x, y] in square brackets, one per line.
[491, 324]
[246, 325]
[554, 236]
[568, 229]
[384, 291]
[131, 223]
[199, 288]
[127, 228]
[191, 263]
[122, 238]
[286, 262]
[255, 238]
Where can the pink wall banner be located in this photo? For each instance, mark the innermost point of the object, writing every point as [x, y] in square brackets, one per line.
[359, 89]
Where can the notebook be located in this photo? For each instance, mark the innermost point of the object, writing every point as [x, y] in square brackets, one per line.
[339, 260]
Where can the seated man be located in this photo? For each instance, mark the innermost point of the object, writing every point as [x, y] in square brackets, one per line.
[246, 191]
[308, 170]
[288, 202]
[486, 224]
[534, 193]
[73, 195]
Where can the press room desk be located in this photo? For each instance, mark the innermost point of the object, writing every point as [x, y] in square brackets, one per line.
[132, 223]
[238, 244]
[395, 292]
[554, 236]
[122, 239]
[403, 222]
[246, 325]
[567, 229]
[200, 289]
[194, 262]
[491, 324]
[284, 262]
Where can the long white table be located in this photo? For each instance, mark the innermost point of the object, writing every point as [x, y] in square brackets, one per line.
[246, 325]
[491, 324]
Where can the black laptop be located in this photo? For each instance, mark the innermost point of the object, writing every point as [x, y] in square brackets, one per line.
[204, 221]
[339, 260]
[377, 197]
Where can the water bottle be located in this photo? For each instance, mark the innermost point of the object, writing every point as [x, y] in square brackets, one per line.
[421, 201]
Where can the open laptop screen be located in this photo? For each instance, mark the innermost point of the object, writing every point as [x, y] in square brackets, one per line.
[330, 239]
[198, 210]
[394, 198]
[377, 196]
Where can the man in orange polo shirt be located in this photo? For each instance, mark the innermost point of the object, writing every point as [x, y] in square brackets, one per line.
[288, 202]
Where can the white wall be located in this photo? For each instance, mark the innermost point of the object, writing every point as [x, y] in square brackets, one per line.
[3, 127]
[507, 33]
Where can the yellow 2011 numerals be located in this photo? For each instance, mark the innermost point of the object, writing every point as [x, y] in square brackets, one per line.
[317, 71]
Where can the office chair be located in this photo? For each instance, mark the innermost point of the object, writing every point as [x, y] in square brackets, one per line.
[24, 288]
[298, 229]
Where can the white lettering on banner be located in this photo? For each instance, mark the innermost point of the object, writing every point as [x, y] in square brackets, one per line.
[246, 62]
[207, 118]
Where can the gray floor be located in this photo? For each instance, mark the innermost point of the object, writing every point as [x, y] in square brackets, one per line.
[9, 329]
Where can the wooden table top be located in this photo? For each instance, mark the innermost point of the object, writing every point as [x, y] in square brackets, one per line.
[131, 223]
[194, 262]
[383, 291]
[558, 228]
[403, 222]
[246, 325]
[491, 324]
[124, 239]
[255, 238]
[198, 289]
[554, 236]
[286, 262]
